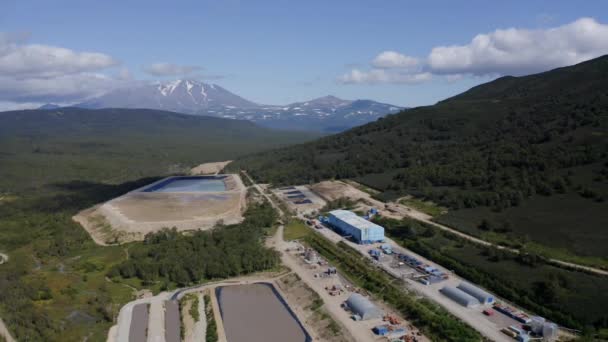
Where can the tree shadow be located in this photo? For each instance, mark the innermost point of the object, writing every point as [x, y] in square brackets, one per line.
[77, 195]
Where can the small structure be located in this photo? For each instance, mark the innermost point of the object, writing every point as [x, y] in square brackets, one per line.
[482, 296]
[536, 324]
[550, 332]
[381, 330]
[350, 224]
[387, 249]
[362, 307]
[311, 256]
[459, 296]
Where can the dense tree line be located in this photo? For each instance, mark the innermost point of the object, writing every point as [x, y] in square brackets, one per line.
[225, 251]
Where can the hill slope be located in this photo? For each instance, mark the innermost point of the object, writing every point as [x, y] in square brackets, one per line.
[327, 113]
[43, 146]
[484, 153]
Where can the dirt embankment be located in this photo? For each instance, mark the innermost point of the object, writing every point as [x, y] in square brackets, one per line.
[209, 168]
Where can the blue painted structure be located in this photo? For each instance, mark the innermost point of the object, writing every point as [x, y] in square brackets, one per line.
[350, 224]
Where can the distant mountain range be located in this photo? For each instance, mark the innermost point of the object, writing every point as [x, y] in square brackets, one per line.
[327, 114]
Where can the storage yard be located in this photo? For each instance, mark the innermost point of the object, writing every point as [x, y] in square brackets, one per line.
[473, 305]
[300, 199]
[186, 203]
[364, 318]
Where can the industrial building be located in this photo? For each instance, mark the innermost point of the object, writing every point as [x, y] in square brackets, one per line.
[350, 224]
[482, 296]
[362, 307]
[459, 296]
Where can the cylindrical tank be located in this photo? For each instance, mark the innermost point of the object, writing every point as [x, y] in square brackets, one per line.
[537, 324]
[550, 331]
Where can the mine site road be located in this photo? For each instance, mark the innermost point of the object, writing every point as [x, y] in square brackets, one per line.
[3, 330]
[5, 333]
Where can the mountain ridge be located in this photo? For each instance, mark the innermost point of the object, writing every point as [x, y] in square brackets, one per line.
[327, 113]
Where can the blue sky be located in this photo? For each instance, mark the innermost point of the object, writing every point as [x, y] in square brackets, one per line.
[278, 52]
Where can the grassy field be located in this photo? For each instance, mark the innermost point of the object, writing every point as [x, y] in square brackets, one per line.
[295, 230]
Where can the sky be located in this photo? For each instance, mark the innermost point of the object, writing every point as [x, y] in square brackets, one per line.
[407, 53]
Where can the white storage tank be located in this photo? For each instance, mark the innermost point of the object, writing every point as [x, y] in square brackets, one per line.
[536, 324]
[550, 331]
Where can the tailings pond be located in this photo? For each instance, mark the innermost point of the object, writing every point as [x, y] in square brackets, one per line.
[257, 313]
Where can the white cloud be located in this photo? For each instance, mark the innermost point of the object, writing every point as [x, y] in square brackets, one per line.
[374, 76]
[511, 51]
[169, 69]
[32, 73]
[392, 59]
[65, 88]
[24, 61]
[519, 51]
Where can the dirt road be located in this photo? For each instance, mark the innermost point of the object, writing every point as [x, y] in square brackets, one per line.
[3, 330]
[259, 188]
[5, 333]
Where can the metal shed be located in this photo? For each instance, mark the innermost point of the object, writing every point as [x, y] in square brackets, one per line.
[459, 296]
[348, 223]
[362, 307]
[482, 296]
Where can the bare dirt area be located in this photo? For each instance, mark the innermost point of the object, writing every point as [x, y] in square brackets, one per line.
[131, 216]
[333, 190]
[300, 199]
[309, 306]
[100, 229]
[209, 168]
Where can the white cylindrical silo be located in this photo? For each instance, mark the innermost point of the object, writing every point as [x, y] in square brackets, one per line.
[550, 331]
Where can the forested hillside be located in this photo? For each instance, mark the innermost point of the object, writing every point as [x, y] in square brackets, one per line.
[540, 138]
[38, 147]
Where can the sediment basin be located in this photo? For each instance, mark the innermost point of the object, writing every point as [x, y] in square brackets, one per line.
[258, 313]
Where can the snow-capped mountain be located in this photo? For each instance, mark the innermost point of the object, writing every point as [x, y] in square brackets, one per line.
[327, 113]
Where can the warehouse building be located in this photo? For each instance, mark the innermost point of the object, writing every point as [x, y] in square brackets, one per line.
[362, 307]
[482, 296]
[459, 296]
[350, 224]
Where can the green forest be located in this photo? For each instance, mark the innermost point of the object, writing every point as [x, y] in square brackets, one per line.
[186, 259]
[541, 137]
[54, 163]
